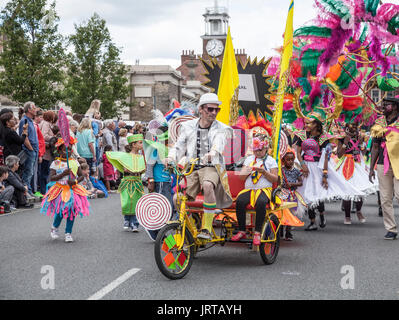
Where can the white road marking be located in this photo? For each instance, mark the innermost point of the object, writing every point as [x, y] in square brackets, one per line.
[107, 289]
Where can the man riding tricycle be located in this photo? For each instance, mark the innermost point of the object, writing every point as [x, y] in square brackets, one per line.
[228, 194]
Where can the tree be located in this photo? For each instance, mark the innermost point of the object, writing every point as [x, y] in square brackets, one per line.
[33, 59]
[95, 70]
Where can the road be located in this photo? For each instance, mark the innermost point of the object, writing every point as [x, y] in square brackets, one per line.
[105, 262]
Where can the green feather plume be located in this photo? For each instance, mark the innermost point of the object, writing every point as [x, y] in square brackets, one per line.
[313, 31]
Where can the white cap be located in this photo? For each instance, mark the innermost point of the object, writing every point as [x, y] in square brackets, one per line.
[209, 98]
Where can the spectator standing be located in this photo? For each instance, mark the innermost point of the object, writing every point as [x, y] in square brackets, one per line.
[109, 171]
[123, 139]
[46, 129]
[109, 137]
[11, 140]
[86, 142]
[42, 149]
[32, 150]
[97, 126]
[73, 128]
[2, 157]
[118, 126]
[129, 130]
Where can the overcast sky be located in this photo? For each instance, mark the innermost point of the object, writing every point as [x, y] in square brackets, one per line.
[157, 31]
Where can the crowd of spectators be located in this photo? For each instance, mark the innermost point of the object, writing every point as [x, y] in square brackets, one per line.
[27, 149]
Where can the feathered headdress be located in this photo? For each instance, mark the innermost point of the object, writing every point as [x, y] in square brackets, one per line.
[61, 142]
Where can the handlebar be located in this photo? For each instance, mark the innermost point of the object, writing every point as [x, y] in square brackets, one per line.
[182, 171]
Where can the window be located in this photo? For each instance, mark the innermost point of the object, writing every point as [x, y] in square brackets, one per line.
[142, 92]
[375, 95]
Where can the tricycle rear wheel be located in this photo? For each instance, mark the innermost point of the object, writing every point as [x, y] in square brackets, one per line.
[269, 250]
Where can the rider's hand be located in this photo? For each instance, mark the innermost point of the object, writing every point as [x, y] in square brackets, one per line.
[208, 157]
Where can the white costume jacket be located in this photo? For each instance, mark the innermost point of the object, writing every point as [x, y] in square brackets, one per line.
[218, 135]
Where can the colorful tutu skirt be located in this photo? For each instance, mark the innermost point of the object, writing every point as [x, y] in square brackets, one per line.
[66, 201]
[314, 193]
[355, 173]
[294, 196]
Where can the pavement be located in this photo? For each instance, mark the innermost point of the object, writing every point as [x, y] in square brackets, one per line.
[339, 262]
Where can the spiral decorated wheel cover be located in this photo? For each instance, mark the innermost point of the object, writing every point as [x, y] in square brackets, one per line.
[153, 211]
[175, 125]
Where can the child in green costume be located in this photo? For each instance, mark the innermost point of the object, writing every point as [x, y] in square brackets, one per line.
[132, 165]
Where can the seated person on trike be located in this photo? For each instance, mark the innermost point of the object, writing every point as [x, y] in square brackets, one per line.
[205, 138]
[260, 171]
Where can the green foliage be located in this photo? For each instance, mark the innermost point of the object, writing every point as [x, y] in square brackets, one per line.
[33, 56]
[95, 70]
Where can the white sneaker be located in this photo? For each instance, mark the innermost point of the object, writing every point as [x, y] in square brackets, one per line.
[347, 221]
[126, 225]
[54, 234]
[68, 237]
[134, 229]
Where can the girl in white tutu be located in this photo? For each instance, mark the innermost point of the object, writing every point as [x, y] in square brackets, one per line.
[321, 181]
[351, 166]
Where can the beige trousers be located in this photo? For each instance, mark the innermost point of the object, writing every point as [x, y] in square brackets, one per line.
[389, 187]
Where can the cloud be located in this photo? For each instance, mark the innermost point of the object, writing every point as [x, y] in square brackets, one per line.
[159, 30]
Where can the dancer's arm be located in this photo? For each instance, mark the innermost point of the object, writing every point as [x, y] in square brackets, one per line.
[374, 157]
[55, 177]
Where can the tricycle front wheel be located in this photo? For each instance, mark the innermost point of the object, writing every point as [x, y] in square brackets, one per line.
[174, 263]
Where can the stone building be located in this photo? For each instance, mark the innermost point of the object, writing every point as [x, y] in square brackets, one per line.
[155, 87]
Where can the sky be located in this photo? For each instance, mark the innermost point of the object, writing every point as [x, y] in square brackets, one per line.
[157, 31]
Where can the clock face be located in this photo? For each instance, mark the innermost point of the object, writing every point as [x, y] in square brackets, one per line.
[214, 47]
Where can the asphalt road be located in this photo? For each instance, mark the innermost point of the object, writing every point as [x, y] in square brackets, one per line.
[105, 262]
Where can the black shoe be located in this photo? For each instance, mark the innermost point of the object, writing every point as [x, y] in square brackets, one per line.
[390, 236]
[380, 212]
[26, 206]
[322, 221]
[311, 227]
[288, 236]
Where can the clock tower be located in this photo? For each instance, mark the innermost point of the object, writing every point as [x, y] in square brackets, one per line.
[216, 27]
[213, 44]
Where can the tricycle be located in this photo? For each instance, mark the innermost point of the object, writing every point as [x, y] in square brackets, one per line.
[177, 242]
